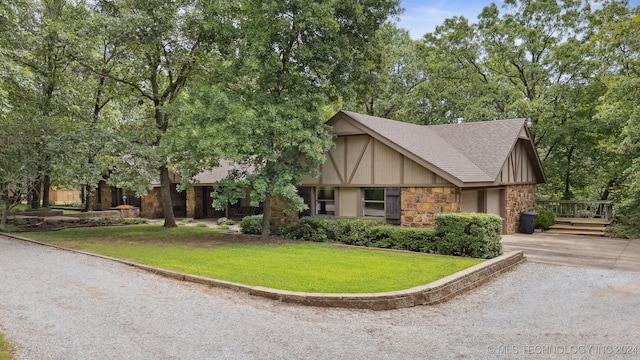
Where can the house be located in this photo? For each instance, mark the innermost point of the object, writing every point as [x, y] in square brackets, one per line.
[196, 202]
[402, 173]
[406, 173]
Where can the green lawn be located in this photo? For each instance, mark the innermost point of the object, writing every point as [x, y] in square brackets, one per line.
[287, 265]
[5, 349]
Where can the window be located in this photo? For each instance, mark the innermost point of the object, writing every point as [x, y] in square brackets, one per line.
[373, 202]
[325, 201]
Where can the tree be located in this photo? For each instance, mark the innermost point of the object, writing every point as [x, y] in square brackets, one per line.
[17, 153]
[616, 40]
[40, 45]
[386, 75]
[288, 59]
[163, 42]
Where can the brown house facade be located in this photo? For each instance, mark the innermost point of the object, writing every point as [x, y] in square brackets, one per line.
[406, 173]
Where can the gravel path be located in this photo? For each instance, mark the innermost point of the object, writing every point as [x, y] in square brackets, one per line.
[56, 304]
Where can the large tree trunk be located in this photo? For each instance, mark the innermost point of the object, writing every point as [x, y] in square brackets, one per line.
[266, 219]
[5, 215]
[35, 195]
[165, 194]
[568, 195]
[46, 190]
[5, 209]
[88, 194]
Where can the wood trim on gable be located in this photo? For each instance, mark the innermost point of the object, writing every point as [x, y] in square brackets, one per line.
[365, 161]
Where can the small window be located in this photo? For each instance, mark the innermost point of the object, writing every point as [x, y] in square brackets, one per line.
[325, 201]
[373, 202]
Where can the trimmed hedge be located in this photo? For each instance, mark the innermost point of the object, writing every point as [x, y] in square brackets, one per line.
[370, 233]
[469, 234]
[474, 235]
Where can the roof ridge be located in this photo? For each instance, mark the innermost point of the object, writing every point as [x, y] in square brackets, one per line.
[428, 131]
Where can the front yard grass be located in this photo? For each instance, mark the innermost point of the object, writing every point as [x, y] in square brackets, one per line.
[279, 264]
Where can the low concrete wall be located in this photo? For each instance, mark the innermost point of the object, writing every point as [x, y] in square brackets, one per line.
[436, 292]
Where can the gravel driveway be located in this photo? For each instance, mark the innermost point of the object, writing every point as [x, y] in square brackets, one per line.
[56, 304]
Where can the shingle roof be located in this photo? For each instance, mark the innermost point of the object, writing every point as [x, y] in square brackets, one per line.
[468, 152]
[210, 177]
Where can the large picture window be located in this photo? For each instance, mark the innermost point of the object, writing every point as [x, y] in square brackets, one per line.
[373, 202]
[325, 201]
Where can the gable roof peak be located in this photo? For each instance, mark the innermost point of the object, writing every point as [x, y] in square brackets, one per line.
[468, 152]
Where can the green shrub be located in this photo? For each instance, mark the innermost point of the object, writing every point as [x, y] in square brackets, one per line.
[464, 234]
[356, 231]
[251, 224]
[312, 228]
[545, 219]
[9, 228]
[475, 235]
[134, 221]
[361, 232]
[402, 238]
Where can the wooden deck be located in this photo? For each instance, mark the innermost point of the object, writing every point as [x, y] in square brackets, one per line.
[580, 226]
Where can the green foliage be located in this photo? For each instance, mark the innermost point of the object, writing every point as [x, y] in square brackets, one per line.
[9, 228]
[468, 234]
[133, 221]
[251, 224]
[625, 224]
[545, 219]
[360, 232]
[312, 228]
[287, 62]
[356, 231]
[475, 235]
[404, 238]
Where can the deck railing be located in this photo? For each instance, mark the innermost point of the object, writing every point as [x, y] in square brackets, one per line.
[599, 209]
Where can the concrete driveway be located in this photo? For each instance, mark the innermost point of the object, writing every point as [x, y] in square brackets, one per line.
[576, 250]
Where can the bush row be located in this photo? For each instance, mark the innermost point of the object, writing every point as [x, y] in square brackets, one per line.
[475, 235]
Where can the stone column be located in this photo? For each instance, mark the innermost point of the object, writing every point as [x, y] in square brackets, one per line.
[518, 198]
[191, 202]
[105, 197]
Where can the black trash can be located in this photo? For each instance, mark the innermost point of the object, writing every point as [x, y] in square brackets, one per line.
[528, 222]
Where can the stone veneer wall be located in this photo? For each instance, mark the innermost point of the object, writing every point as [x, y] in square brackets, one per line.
[518, 198]
[151, 204]
[278, 215]
[419, 205]
[105, 197]
[191, 203]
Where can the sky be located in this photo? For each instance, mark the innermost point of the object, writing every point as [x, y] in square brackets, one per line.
[422, 16]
